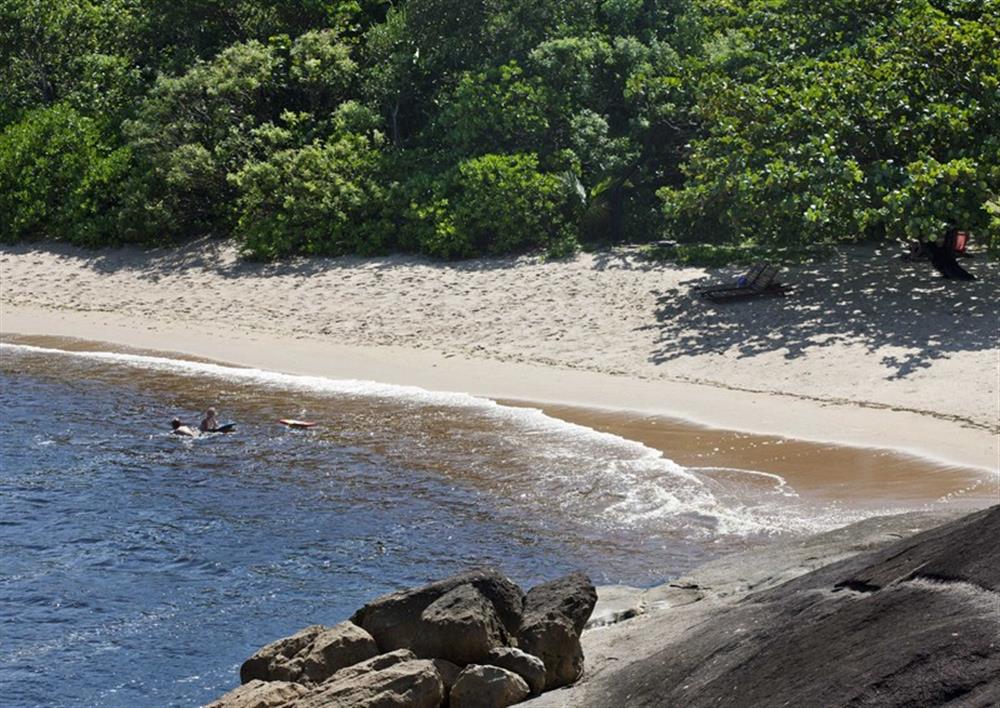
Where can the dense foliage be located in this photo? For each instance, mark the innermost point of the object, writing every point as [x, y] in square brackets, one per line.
[457, 128]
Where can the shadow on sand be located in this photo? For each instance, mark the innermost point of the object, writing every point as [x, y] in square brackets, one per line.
[222, 258]
[862, 295]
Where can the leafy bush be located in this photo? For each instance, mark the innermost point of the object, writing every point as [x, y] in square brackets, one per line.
[59, 180]
[500, 204]
[323, 199]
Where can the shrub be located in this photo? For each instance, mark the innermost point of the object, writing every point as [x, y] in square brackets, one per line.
[498, 204]
[323, 199]
[59, 180]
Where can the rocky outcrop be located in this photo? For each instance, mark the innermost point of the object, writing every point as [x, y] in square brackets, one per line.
[554, 616]
[911, 622]
[310, 655]
[396, 622]
[448, 640]
[487, 687]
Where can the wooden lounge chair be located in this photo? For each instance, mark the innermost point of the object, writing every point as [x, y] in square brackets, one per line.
[759, 281]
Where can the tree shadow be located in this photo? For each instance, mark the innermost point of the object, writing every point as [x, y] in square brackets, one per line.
[902, 311]
[221, 258]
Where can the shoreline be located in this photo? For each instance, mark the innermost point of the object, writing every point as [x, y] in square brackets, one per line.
[870, 351]
[937, 440]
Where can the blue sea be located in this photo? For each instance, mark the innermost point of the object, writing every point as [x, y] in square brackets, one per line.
[141, 569]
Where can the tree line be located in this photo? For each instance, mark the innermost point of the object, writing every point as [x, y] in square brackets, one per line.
[458, 128]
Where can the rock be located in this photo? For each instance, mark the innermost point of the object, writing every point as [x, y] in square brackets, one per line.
[528, 667]
[310, 655]
[342, 645]
[557, 644]
[376, 663]
[487, 687]
[406, 684]
[572, 596]
[260, 694]
[554, 615]
[272, 662]
[395, 620]
[449, 673]
[460, 626]
[913, 622]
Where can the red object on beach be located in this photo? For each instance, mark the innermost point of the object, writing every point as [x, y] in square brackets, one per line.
[292, 423]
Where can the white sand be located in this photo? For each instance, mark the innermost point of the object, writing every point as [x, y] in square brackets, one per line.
[869, 350]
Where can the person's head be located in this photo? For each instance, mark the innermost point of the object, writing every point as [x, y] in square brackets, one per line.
[210, 413]
[175, 423]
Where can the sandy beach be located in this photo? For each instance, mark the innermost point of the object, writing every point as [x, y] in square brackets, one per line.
[868, 351]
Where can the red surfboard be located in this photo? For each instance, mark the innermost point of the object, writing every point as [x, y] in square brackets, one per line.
[292, 423]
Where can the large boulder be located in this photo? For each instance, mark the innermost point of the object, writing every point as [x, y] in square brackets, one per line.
[406, 684]
[343, 645]
[487, 687]
[310, 655]
[528, 667]
[554, 615]
[557, 644]
[260, 694]
[460, 626]
[395, 620]
[376, 663]
[275, 661]
[572, 596]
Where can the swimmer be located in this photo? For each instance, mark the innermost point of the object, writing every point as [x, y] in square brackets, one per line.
[210, 423]
[183, 430]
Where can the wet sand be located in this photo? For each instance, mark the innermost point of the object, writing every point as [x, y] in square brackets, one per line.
[857, 477]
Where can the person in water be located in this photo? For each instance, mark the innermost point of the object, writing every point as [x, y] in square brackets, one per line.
[210, 423]
[183, 430]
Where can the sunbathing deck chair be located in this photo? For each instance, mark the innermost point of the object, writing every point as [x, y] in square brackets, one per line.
[759, 281]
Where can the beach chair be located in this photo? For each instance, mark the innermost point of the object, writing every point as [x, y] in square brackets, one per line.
[759, 281]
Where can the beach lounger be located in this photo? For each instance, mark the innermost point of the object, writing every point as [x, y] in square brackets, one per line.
[759, 281]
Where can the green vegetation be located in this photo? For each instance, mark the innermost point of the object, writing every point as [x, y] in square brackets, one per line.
[497, 126]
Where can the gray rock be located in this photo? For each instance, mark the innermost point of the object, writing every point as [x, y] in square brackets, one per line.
[460, 626]
[275, 661]
[914, 622]
[394, 620]
[554, 615]
[528, 667]
[557, 644]
[572, 596]
[406, 684]
[487, 687]
[260, 694]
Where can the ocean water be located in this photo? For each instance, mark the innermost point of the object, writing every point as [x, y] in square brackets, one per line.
[139, 568]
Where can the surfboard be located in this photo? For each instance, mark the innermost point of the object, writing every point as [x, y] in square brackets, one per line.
[227, 428]
[292, 423]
